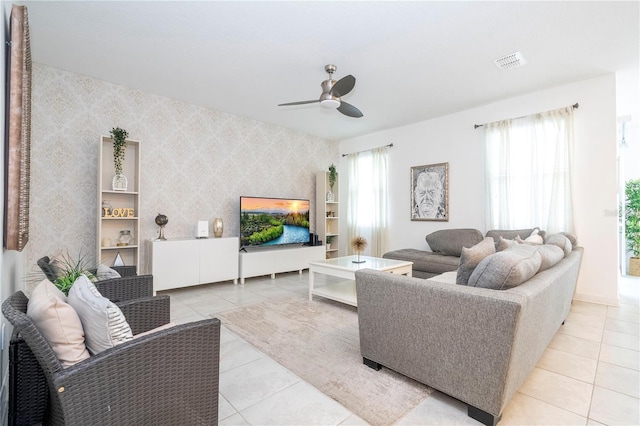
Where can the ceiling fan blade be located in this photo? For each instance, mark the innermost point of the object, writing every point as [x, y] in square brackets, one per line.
[300, 102]
[343, 86]
[349, 110]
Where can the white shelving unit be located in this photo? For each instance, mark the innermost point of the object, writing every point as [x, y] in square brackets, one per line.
[327, 214]
[125, 205]
[255, 263]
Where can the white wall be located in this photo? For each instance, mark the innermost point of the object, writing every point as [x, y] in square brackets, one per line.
[453, 139]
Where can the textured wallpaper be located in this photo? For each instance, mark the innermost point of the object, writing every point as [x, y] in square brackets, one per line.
[196, 162]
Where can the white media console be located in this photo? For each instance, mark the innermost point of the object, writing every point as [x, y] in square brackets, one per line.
[185, 262]
[262, 261]
[179, 263]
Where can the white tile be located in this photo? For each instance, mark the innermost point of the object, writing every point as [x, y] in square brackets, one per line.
[589, 308]
[191, 318]
[620, 356]
[618, 379]
[226, 335]
[627, 313]
[563, 392]
[622, 326]
[300, 404]
[438, 409]
[225, 409]
[236, 353]
[210, 307]
[354, 420]
[613, 408]
[525, 410]
[584, 319]
[235, 420]
[622, 340]
[575, 345]
[574, 366]
[252, 382]
[580, 330]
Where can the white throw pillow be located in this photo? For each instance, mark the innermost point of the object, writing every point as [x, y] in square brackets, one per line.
[105, 273]
[58, 322]
[104, 323]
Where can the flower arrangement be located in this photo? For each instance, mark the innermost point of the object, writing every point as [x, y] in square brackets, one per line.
[358, 244]
[119, 137]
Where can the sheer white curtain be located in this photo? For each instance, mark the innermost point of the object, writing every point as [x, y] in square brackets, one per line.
[367, 214]
[528, 172]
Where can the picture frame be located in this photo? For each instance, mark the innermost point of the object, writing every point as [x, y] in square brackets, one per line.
[18, 135]
[430, 192]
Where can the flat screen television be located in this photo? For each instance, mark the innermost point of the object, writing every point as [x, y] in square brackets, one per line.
[269, 222]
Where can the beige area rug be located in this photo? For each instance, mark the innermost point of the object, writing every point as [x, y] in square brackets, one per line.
[319, 342]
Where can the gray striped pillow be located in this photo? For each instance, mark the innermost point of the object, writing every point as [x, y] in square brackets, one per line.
[104, 323]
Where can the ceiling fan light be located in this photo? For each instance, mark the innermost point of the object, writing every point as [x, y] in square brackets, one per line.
[330, 103]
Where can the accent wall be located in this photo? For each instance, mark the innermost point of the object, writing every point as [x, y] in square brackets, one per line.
[196, 162]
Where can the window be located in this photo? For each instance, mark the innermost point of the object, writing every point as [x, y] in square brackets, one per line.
[528, 172]
[367, 214]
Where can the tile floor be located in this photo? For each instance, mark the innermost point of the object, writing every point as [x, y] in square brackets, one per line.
[589, 375]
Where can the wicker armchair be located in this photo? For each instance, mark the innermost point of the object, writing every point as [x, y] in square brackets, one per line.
[128, 286]
[164, 378]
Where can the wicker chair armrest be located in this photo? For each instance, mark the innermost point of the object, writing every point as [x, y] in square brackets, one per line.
[146, 313]
[126, 288]
[167, 377]
[126, 271]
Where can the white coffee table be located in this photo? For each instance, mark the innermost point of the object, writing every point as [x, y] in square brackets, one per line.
[344, 267]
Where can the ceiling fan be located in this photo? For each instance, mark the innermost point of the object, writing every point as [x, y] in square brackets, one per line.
[332, 91]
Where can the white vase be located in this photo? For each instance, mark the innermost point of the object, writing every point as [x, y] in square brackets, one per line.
[330, 196]
[119, 183]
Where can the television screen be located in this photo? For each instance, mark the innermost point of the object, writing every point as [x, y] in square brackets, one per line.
[273, 221]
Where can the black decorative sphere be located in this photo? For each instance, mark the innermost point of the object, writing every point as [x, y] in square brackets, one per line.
[161, 220]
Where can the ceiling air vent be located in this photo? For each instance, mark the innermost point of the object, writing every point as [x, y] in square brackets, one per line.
[511, 61]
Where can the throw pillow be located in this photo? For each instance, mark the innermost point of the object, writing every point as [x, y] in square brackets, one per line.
[572, 238]
[506, 269]
[471, 257]
[58, 322]
[560, 241]
[531, 240]
[549, 256]
[104, 323]
[103, 272]
[450, 241]
[504, 243]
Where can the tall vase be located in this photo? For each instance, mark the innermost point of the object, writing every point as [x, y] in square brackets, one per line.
[217, 227]
[119, 182]
[330, 196]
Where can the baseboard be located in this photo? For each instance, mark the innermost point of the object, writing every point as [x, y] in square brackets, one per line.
[610, 301]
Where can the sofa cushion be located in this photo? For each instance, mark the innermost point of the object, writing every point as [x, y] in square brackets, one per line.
[560, 241]
[449, 242]
[572, 238]
[103, 272]
[549, 256]
[506, 269]
[58, 322]
[471, 257]
[509, 234]
[104, 323]
[425, 260]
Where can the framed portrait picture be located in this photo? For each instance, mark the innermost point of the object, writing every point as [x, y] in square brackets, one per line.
[430, 192]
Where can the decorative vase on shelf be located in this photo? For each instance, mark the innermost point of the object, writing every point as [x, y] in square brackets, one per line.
[217, 227]
[330, 196]
[125, 238]
[119, 183]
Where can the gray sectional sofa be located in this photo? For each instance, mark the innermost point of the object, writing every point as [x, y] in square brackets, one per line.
[446, 246]
[473, 342]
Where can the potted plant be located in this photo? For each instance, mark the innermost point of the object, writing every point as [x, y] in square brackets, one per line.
[119, 137]
[632, 224]
[333, 176]
[329, 241]
[358, 244]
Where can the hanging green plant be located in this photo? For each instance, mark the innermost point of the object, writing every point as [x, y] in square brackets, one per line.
[119, 137]
[333, 176]
[632, 219]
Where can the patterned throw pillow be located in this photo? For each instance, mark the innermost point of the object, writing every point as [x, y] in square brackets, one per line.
[104, 323]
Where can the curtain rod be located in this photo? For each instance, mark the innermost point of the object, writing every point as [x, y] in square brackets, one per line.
[370, 149]
[475, 126]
